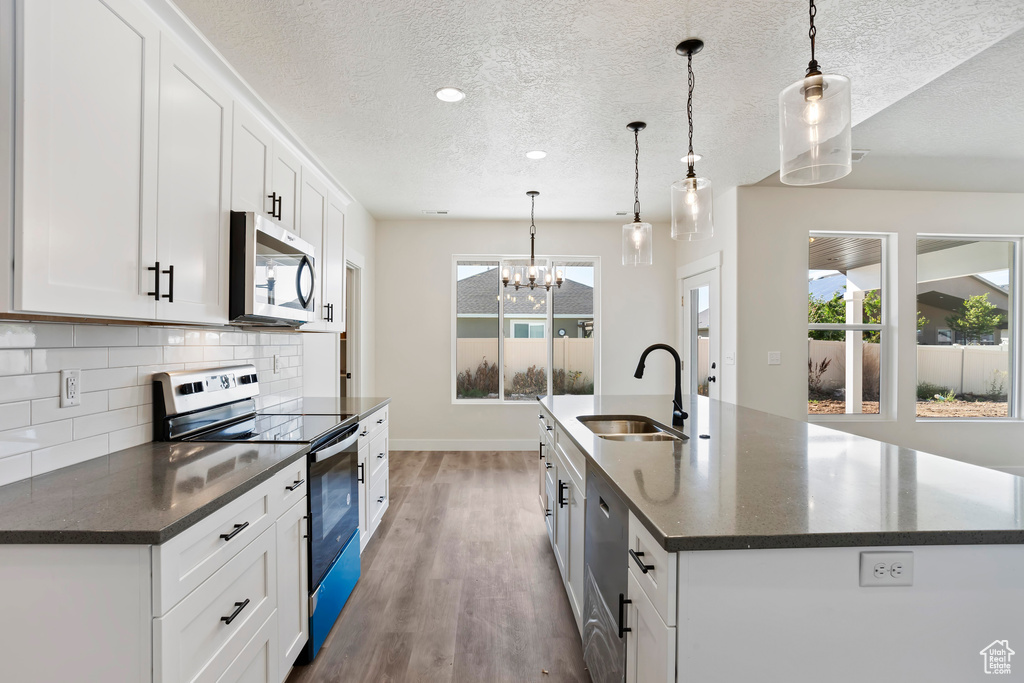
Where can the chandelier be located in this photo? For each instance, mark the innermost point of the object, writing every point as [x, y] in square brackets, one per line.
[535, 274]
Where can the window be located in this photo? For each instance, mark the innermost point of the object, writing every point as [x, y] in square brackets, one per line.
[513, 345]
[847, 327]
[965, 295]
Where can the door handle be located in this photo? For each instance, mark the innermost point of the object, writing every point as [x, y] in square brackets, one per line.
[636, 556]
[713, 366]
[711, 378]
[622, 615]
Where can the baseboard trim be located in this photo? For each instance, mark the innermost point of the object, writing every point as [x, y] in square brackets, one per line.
[463, 445]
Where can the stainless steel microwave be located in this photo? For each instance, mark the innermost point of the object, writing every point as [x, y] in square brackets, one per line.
[273, 273]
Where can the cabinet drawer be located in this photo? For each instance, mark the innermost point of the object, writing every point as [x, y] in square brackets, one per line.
[378, 456]
[288, 487]
[659, 581]
[378, 421]
[258, 662]
[201, 636]
[191, 557]
[572, 455]
[378, 502]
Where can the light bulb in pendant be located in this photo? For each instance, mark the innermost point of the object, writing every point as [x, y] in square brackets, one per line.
[638, 236]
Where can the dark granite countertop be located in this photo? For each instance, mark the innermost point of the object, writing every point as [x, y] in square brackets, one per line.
[139, 496]
[763, 481]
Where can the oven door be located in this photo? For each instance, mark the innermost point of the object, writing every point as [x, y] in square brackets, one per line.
[273, 273]
[333, 502]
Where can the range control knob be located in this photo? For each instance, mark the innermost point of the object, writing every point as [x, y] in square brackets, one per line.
[190, 388]
[247, 379]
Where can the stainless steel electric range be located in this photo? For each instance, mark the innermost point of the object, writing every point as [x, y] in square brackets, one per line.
[219, 405]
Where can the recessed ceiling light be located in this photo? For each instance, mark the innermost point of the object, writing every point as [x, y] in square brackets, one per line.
[536, 154]
[450, 95]
[696, 158]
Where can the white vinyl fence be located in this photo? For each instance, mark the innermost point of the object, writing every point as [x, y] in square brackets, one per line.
[964, 369]
[570, 354]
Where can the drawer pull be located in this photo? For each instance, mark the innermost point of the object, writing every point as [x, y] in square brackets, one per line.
[364, 432]
[362, 477]
[380, 421]
[239, 606]
[548, 466]
[297, 484]
[238, 530]
[380, 456]
[623, 630]
[381, 499]
[541, 416]
[549, 427]
[548, 513]
[636, 556]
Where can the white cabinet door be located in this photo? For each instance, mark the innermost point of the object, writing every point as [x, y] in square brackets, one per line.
[312, 226]
[285, 177]
[252, 153]
[650, 644]
[561, 509]
[574, 583]
[363, 472]
[192, 215]
[292, 585]
[332, 270]
[86, 141]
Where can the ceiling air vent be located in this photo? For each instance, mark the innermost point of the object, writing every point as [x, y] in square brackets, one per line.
[435, 212]
[858, 154]
[621, 213]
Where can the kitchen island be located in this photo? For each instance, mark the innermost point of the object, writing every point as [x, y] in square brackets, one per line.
[750, 546]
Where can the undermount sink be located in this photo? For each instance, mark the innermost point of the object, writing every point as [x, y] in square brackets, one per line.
[628, 428]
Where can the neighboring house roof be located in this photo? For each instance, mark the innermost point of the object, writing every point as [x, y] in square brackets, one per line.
[827, 287]
[478, 294]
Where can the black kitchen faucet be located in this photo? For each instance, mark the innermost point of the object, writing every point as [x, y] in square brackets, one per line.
[677, 401]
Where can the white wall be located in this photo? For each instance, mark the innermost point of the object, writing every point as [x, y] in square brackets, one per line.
[414, 286]
[771, 243]
[321, 351]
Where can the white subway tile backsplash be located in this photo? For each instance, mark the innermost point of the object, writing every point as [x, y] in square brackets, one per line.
[129, 396]
[123, 356]
[117, 363]
[106, 335]
[162, 336]
[111, 378]
[26, 387]
[18, 335]
[102, 423]
[15, 415]
[15, 468]
[15, 362]
[71, 453]
[49, 410]
[55, 360]
[25, 439]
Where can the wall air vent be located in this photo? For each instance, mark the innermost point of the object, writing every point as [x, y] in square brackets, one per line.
[435, 212]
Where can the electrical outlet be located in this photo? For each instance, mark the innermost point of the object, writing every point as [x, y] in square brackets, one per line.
[277, 363]
[775, 358]
[70, 388]
[887, 569]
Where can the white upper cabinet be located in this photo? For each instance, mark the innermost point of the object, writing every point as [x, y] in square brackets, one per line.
[86, 141]
[192, 216]
[312, 227]
[252, 154]
[285, 186]
[332, 272]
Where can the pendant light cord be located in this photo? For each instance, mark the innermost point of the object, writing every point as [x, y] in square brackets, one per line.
[689, 111]
[636, 181]
[533, 229]
[812, 66]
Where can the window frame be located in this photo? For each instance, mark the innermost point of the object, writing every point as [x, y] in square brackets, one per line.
[1015, 391]
[548, 322]
[887, 367]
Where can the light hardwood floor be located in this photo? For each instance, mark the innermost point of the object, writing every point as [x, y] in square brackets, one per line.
[458, 584]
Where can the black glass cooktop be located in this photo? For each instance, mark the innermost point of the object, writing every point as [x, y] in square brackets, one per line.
[277, 428]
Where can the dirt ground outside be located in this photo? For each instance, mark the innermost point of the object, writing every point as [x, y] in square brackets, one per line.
[958, 408]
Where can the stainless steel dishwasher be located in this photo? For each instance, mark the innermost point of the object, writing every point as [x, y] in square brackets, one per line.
[606, 547]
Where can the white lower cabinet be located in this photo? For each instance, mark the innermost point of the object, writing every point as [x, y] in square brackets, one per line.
[258, 661]
[374, 473]
[650, 644]
[292, 585]
[364, 495]
[567, 504]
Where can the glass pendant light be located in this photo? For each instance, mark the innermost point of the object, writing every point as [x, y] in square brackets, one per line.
[636, 236]
[691, 197]
[814, 125]
[535, 274]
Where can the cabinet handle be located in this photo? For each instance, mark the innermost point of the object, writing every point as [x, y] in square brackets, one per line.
[364, 432]
[297, 484]
[305, 523]
[280, 206]
[239, 606]
[622, 615]
[380, 456]
[548, 513]
[549, 427]
[562, 486]
[548, 466]
[362, 479]
[170, 284]
[636, 556]
[275, 205]
[380, 421]
[381, 499]
[540, 450]
[541, 416]
[238, 530]
[156, 283]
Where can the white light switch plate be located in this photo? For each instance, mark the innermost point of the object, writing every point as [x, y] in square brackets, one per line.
[70, 388]
[775, 358]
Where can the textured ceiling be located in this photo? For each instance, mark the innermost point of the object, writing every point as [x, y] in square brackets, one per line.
[964, 131]
[355, 80]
